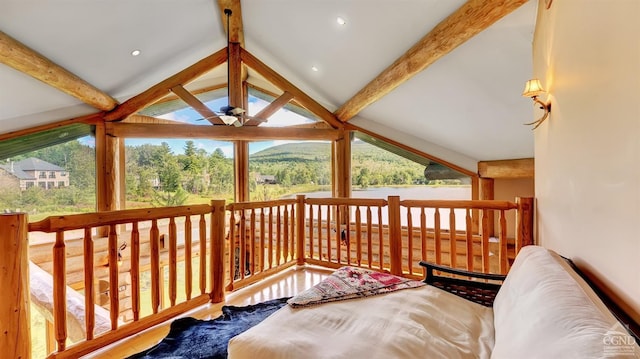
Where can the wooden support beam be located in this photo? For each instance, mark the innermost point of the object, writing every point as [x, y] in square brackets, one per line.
[197, 105]
[271, 109]
[15, 302]
[236, 31]
[223, 133]
[342, 171]
[157, 91]
[520, 168]
[241, 170]
[469, 20]
[276, 79]
[487, 191]
[20, 57]
[150, 120]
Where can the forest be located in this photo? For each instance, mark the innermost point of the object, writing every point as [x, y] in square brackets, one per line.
[155, 176]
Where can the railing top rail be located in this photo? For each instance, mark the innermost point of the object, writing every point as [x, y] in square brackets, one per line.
[98, 219]
[476, 204]
[238, 206]
[372, 202]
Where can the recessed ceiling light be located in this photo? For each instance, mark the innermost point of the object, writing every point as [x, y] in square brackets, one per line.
[341, 20]
[135, 52]
[314, 69]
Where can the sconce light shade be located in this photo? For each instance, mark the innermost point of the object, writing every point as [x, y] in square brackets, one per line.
[532, 88]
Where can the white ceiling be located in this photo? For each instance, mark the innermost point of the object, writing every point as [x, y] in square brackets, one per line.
[468, 103]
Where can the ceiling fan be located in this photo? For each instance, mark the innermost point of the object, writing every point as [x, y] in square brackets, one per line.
[232, 116]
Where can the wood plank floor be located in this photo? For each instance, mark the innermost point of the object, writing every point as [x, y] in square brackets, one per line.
[285, 284]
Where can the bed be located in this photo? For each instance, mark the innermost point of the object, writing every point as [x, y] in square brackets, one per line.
[543, 310]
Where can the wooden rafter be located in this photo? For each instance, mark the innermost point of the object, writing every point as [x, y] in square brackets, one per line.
[160, 89]
[193, 92]
[197, 105]
[271, 109]
[302, 98]
[20, 57]
[223, 133]
[470, 19]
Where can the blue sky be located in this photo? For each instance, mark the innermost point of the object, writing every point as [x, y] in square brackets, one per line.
[188, 115]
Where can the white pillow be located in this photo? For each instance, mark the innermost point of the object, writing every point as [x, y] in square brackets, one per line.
[545, 310]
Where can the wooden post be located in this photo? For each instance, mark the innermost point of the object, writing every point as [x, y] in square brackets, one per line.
[395, 235]
[342, 165]
[15, 319]
[300, 237]
[524, 222]
[487, 193]
[217, 250]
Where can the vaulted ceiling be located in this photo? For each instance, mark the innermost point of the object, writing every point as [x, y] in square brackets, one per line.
[464, 107]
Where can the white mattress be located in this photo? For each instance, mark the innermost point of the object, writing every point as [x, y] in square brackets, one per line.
[424, 322]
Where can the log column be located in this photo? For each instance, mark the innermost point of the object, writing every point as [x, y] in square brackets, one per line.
[487, 193]
[15, 320]
[341, 154]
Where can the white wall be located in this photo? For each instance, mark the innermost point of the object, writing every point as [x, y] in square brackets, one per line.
[587, 175]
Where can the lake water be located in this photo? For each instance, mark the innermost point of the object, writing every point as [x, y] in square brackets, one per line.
[418, 192]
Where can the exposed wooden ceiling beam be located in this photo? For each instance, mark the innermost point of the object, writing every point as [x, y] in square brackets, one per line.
[20, 57]
[470, 19]
[519, 168]
[277, 80]
[224, 133]
[160, 89]
[235, 21]
[150, 120]
[193, 92]
[271, 109]
[197, 105]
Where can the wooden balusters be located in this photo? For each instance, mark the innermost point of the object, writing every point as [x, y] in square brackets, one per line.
[437, 234]
[503, 255]
[270, 237]
[409, 240]
[311, 244]
[469, 240]
[486, 233]
[263, 238]
[252, 241]
[202, 225]
[135, 271]
[380, 239]
[423, 238]
[60, 290]
[114, 297]
[319, 232]
[155, 266]
[188, 268]
[452, 239]
[285, 239]
[232, 249]
[369, 238]
[173, 261]
[329, 233]
[242, 253]
[338, 234]
[278, 235]
[89, 295]
[358, 237]
[300, 240]
[395, 235]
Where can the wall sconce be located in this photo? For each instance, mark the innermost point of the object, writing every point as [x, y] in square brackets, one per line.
[533, 89]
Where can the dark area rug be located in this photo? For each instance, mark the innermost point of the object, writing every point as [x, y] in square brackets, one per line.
[194, 338]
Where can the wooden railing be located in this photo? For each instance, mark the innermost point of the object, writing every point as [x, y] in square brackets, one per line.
[261, 238]
[382, 234]
[207, 247]
[265, 232]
